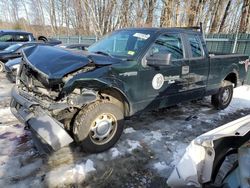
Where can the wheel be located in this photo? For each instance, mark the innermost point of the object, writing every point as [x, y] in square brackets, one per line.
[1, 66]
[222, 99]
[98, 126]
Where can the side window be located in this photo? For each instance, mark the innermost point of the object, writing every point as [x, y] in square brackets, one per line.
[6, 38]
[168, 43]
[21, 38]
[195, 45]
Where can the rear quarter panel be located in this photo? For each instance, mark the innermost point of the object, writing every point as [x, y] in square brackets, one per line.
[223, 65]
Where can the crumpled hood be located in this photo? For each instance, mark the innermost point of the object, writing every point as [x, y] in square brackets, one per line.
[55, 62]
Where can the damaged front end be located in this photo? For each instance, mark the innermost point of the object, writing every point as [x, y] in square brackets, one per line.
[202, 163]
[43, 101]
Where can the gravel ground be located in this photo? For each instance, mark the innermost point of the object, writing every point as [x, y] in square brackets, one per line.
[150, 146]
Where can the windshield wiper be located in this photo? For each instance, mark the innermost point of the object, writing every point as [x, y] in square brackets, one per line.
[103, 53]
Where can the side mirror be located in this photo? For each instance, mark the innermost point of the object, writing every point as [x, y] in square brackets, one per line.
[159, 59]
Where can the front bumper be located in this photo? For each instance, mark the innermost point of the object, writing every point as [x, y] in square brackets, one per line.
[48, 133]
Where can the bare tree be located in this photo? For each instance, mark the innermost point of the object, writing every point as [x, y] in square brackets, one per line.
[150, 12]
[166, 13]
[226, 12]
[215, 19]
[99, 17]
[191, 12]
[244, 22]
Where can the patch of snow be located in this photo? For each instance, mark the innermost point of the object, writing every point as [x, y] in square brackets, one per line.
[115, 152]
[6, 115]
[189, 126]
[159, 166]
[133, 145]
[240, 99]
[156, 135]
[129, 130]
[180, 149]
[67, 175]
[84, 168]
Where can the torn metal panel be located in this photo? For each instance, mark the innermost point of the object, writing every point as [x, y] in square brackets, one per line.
[203, 157]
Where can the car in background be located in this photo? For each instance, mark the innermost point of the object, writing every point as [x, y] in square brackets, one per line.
[14, 51]
[75, 46]
[10, 37]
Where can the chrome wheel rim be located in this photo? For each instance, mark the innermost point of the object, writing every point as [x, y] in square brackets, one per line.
[225, 96]
[103, 128]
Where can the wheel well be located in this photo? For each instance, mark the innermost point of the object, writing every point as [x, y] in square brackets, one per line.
[116, 97]
[232, 78]
[42, 38]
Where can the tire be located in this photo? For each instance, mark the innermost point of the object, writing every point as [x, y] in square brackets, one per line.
[1, 66]
[98, 126]
[222, 99]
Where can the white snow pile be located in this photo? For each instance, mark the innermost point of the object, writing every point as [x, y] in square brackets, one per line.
[6, 115]
[180, 149]
[159, 166]
[241, 99]
[129, 130]
[66, 175]
[156, 135]
[115, 152]
[133, 145]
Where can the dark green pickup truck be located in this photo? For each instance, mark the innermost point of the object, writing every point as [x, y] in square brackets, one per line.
[84, 97]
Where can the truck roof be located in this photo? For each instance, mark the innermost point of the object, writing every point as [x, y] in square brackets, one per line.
[13, 31]
[195, 30]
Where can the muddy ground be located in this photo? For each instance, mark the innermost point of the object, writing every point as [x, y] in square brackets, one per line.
[150, 146]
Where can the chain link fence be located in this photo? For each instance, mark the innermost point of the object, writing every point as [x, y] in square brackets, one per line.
[229, 43]
[77, 39]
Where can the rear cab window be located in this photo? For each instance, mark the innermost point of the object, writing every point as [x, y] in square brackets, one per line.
[168, 43]
[21, 37]
[196, 49]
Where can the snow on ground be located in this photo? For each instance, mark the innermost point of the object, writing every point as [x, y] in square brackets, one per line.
[145, 155]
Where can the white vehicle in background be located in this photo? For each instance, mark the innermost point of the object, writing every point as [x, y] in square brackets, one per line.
[218, 158]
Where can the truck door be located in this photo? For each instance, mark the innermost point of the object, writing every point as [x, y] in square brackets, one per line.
[198, 65]
[161, 84]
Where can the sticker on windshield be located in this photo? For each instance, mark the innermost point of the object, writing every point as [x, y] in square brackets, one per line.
[142, 36]
[131, 52]
[158, 81]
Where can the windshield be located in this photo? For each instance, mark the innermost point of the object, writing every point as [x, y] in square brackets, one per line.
[122, 44]
[13, 47]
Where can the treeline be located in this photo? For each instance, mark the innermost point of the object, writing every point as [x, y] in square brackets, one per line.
[98, 17]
